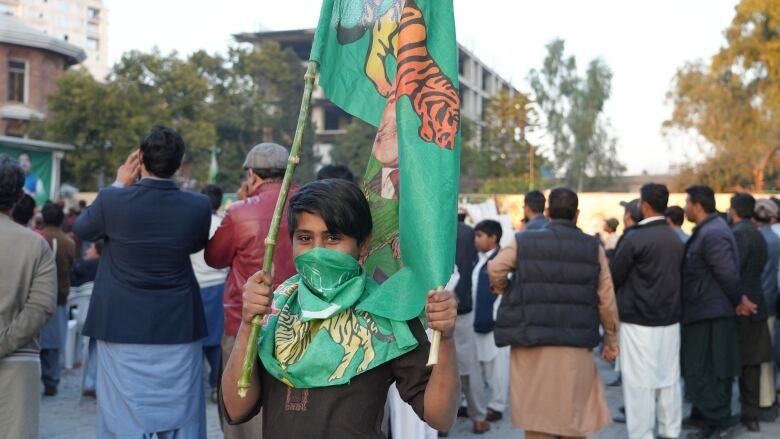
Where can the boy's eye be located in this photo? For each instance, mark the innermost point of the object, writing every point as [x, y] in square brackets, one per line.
[304, 238]
[334, 238]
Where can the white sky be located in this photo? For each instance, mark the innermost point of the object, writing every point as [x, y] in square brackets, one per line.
[643, 42]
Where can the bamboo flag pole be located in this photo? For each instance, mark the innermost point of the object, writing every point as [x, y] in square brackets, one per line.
[245, 380]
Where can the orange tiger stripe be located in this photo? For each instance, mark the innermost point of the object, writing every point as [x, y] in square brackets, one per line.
[433, 96]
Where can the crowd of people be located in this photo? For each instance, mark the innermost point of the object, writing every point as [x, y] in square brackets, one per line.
[177, 283]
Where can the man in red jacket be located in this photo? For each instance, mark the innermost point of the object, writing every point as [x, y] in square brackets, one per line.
[239, 243]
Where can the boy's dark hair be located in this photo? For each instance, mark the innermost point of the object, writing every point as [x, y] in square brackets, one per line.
[24, 210]
[490, 228]
[563, 204]
[335, 171]
[11, 181]
[98, 246]
[676, 215]
[162, 149]
[702, 195]
[340, 203]
[52, 214]
[535, 200]
[656, 195]
[744, 205]
[214, 193]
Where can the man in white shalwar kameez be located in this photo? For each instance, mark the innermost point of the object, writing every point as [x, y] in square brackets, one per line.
[646, 273]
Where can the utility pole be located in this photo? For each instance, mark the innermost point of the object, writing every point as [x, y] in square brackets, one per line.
[531, 156]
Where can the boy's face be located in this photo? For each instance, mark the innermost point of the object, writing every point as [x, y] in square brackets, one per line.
[312, 233]
[484, 242]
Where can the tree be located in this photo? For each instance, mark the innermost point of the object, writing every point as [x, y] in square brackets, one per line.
[508, 121]
[232, 102]
[733, 102]
[353, 148]
[573, 107]
[256, 96]
[106, 121]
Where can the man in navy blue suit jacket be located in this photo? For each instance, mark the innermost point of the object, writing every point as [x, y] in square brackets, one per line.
[146, 310]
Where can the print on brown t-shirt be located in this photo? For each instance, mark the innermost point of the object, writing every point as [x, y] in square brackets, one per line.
[296, 400]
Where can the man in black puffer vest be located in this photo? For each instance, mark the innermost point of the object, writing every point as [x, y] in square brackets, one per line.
[550, 315]
[646, 273]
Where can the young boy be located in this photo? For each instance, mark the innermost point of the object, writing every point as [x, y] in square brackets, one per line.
[487, 235]
[325, 360]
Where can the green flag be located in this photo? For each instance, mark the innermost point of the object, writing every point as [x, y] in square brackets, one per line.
[394, 64]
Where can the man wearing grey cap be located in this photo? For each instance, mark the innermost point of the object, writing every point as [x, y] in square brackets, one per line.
[766, 213]
[239, 243]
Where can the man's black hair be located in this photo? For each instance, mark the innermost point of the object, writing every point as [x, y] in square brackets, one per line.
[82, 204]
[340, 204]
[24, 210]
[335, 171]
[214, 193]
[11, 182]
[656, 195]
[98, 246]
[535, 200]
[676, 215]
[563, 204]
[52, 214]
[269, 173]
[490, 228]
[702, 195]
[461, 217]
[744, 205]
[162, 149]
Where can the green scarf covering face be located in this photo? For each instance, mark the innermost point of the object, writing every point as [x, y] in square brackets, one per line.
[317, 334]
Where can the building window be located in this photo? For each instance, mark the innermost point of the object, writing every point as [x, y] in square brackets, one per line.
[332, 117]
[486, 78]
[92, 43]
[17, 74]
[93, 13]
[462, 59]
[92, 28]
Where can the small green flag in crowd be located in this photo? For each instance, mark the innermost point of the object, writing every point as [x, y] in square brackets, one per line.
[213, 167]
[394, 64]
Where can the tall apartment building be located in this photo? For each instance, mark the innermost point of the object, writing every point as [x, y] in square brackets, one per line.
[478, 83]
[83, 23]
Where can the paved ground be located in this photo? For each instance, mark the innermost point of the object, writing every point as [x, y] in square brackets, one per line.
[67, 416]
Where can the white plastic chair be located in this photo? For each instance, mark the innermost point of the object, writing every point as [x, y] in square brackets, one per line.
[78, 304]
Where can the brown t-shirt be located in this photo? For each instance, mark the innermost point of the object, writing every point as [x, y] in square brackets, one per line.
[353, 410]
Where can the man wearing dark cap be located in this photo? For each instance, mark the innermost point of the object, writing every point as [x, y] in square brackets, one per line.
[631, 217]
[239, 243]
